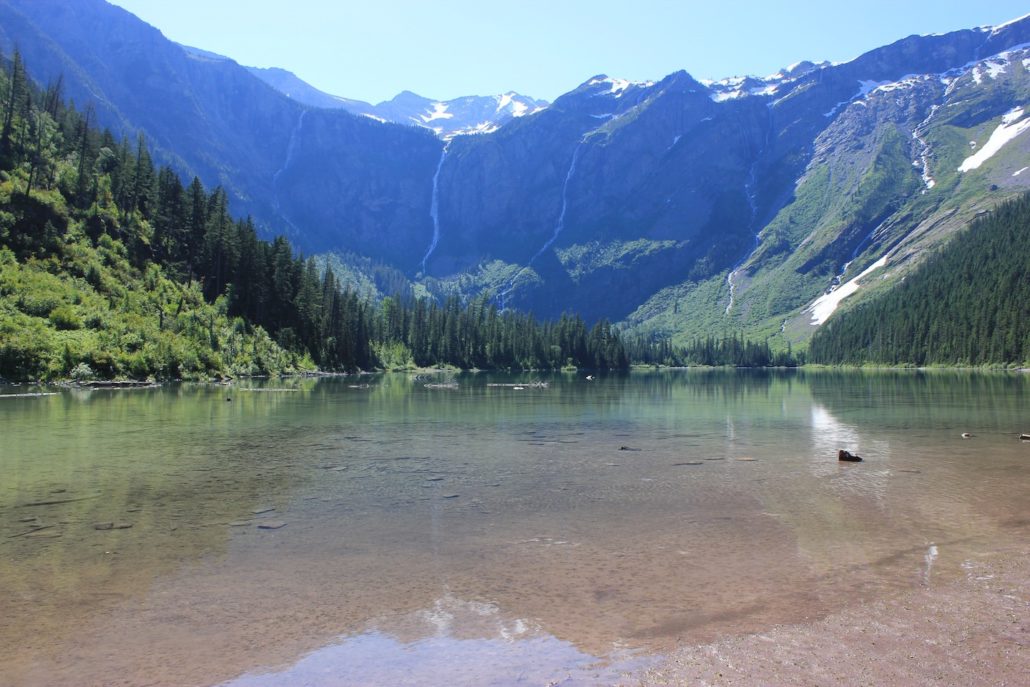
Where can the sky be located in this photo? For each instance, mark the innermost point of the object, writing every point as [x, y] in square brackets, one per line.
[373, 49]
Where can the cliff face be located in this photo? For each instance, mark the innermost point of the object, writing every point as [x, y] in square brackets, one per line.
[208, 116]
[677, 206]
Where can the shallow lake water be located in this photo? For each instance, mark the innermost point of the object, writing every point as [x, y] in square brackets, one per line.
[375, 531]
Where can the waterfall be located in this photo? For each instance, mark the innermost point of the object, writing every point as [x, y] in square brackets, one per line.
[558, 227]
[291, 149]
[434, 208]
[924, 152]
[752, 202]
[564, 206]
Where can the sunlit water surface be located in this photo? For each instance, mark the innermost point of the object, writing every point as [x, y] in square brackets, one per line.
[373, 531]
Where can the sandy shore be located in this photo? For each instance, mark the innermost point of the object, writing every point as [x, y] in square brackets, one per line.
[974, 630]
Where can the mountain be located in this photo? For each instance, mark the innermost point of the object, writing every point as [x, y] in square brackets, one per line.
[446, 118]
[676, 206]
[208, 116]
[940, 315]
[289, 84]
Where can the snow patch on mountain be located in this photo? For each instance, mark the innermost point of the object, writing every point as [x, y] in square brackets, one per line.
[439, 111]
[996, 29]
[1010, 127]
[825, 305]
[481, 128]
[996, 69]
[617, 87]
[736, 87]
[907, 81]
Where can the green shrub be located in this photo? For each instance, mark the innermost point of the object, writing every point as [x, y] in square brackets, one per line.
[65, 318]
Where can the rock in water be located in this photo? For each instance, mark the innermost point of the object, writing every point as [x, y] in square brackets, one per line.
[848, 457]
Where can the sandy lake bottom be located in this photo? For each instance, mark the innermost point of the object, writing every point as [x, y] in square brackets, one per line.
[669, 528]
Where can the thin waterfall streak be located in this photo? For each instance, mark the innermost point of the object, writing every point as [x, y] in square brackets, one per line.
[502, 297]
[434, 208]
[752, 201]
[291, 150]
[560, 225]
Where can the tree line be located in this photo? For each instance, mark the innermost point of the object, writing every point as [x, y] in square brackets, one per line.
[969, 304]
[69, 186]
[727, 351]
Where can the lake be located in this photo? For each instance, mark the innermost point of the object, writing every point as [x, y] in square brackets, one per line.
[374, 530]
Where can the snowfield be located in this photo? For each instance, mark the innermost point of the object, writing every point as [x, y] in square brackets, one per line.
[825, 305]
[1010, 127]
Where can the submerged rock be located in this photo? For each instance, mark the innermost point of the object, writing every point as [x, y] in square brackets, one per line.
[271, 525]
[848, 457]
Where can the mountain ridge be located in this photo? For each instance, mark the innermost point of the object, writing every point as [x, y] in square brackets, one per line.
[447, 118]
[677, 206]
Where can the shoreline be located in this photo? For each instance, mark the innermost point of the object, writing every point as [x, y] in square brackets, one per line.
[636, 367]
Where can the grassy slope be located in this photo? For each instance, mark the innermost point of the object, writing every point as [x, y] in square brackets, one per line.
[82, 310]
[807, 241]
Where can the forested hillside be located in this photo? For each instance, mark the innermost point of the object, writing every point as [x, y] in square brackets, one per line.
[110, 267]
[967, 305]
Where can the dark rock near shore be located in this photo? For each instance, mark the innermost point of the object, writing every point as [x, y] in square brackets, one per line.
[848, 457]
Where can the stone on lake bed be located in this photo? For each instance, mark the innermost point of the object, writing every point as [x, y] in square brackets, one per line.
[451, 496]
[122, 525]
[259, 511]
[746, 459]
[103, 525]
[434, 479]
[689, 462]
[31, 518]
[239, 523]
[271, 525]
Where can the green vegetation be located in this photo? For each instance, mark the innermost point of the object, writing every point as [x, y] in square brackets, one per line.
[729, 351]
[967, 305]
[112, 268]
[581, 259]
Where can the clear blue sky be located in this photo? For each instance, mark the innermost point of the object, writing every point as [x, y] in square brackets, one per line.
[442, 49]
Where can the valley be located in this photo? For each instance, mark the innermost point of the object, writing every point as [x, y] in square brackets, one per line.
[671, 207]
